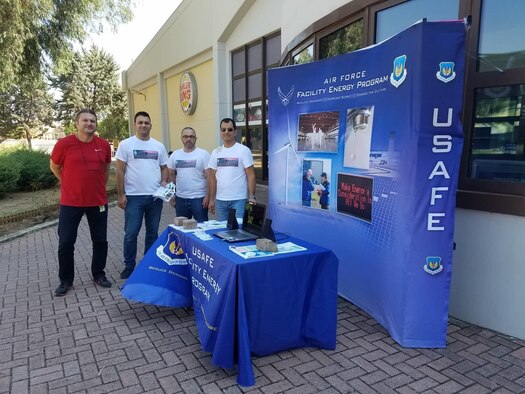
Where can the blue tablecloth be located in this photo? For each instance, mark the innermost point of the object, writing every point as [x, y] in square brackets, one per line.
[242, 306]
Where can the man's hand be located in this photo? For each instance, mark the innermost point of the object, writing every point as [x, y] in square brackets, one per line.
[205, 202]
[211, 206]
[173, 202]
[122, 201]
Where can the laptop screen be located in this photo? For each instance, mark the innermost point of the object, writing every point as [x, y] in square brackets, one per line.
[254, 216]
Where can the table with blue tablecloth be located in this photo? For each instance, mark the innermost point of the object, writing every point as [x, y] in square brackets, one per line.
[242, 306]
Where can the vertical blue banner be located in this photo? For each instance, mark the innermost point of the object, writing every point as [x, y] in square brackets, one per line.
[364, 153]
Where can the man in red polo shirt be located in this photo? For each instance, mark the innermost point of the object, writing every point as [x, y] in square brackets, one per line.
[81, 163]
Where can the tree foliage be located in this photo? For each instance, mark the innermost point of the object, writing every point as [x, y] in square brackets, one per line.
[90, 80]
[37, 33]
[25, 110]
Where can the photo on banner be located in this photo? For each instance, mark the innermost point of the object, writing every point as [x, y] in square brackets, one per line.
[318, 132]
[314, 169]
[358, 137]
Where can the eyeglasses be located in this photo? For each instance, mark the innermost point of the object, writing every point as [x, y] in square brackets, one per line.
[228, 129]
[189, 137]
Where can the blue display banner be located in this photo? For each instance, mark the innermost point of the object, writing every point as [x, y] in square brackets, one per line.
[378, 132]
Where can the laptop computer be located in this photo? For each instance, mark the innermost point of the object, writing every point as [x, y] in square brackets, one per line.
[252, 225]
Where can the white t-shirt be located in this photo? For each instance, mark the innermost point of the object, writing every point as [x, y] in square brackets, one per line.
[143, 160]
[230, 164]
[190, 167]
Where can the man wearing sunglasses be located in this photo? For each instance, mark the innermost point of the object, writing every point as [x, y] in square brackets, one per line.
[232, 176]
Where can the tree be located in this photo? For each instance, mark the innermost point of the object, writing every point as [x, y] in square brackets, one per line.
[90, 80]
[25, 110]
[37, 33]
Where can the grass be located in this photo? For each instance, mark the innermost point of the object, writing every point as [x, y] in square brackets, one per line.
[22, 210]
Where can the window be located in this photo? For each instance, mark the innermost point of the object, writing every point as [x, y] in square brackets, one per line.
[249, 68]
[501, 34]
[496, 149]
[395, 19]
[304, 56]
[344, 40]
[493, 164]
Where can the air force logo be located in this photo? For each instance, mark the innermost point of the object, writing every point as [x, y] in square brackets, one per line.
[399, 73]
[446, 72]
[285, 98]
[433, 265]
[171, 252]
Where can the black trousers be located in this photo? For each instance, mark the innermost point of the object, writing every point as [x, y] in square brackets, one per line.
[68, 222]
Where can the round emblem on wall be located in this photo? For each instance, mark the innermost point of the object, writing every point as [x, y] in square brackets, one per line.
[188, 93]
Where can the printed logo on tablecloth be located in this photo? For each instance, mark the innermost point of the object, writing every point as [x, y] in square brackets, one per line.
[171, 252]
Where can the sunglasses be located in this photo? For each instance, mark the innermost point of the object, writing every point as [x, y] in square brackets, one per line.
[228, 129]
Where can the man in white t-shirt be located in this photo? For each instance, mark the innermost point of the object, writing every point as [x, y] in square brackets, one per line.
[141, 169]
[232, 176]
[187, 167]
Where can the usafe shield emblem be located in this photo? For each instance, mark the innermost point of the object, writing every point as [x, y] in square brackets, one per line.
[399, 73]
[446, 72]
[171, 252]
[433, 265]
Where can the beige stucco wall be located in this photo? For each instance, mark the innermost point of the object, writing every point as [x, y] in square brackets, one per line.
[149, 101]
[186, 33]
[203, 119]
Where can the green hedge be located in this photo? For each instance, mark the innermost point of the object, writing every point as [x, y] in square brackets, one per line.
[9, 174]
[25, 170]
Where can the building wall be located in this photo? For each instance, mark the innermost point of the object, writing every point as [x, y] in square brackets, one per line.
[299, 14]
[149, 101]
[203, 119]
[488, 271]
[186, 33]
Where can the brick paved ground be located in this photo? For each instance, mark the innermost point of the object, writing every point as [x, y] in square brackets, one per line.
[95, 341]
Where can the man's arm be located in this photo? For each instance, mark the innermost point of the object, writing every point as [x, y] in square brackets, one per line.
[172, 175]
[250, 175]
[121, 172]
[56, 170]
[164, 175]
[108, 168]
[212, 189]
[206, 199]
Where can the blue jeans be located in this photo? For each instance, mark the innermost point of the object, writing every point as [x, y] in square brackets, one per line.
[191, 207]
[139, 207]
[68, 221]
[221, 208]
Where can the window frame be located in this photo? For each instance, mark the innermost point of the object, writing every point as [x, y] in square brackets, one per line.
[339, 25]
[263, 98]
[482, 194]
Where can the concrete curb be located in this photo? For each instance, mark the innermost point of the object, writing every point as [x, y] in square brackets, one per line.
[37, 227]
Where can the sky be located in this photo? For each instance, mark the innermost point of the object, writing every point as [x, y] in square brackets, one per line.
[126, 44]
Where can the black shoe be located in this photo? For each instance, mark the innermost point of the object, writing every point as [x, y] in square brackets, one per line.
[62, 289]
[103, 281]
[126, 273]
